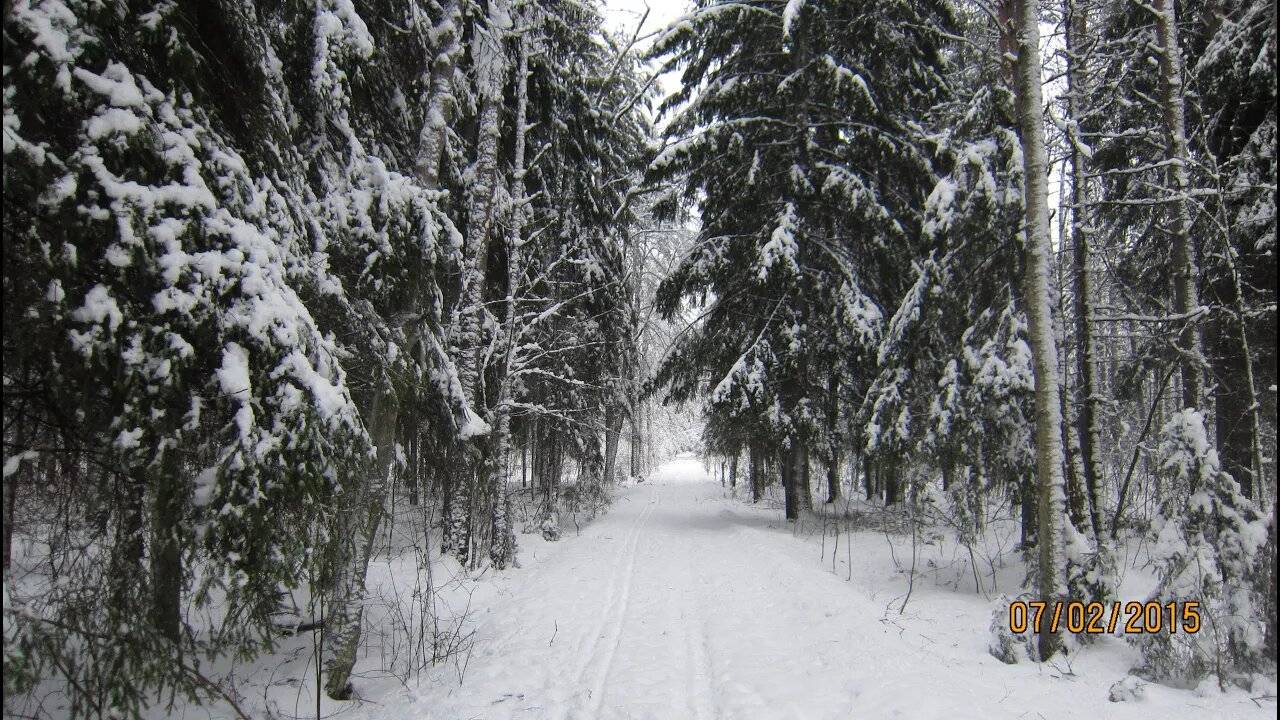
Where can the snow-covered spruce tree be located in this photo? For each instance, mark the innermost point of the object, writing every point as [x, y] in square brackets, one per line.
[1210, 549]
[1141, 154]
[798, 142]
[586, 136]
[167, 257]
[549, 127]
[953, 391]
[1231, 66]
[347, 243]
[1151, 176]
[1235, 129]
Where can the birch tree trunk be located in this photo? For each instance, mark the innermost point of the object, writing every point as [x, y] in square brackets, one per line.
[1044, 352]
[475, 487]
[502, 538]
[1185, 274]
[354, 531]
[431, 140]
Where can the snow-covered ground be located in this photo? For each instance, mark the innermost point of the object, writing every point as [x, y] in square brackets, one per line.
[682, 602]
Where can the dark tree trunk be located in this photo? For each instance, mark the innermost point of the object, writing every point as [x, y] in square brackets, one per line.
[792, 469]
[757, 472]
[413, 474]
[833, 479]
[612, 429]
[806, 487]
[166, 548]
[127, 577]
[889, 477]
[1269, 636]
[1232, 420]
[636, 420]
[1027, 499]
[1077, 512]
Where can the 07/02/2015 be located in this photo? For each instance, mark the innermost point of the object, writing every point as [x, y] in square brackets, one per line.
[1099, 618]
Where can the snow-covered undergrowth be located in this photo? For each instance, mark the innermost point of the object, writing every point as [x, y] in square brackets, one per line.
[684, 600]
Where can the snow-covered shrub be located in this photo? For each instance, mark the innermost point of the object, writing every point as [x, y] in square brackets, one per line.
[550, 528]
[587, 498]
[1208, 548]
[177, 284]
[1002, 643]
[1127, 689]
[1090, 571]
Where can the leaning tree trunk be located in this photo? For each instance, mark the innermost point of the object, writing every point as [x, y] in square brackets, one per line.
[351, 545]
[1044, 351]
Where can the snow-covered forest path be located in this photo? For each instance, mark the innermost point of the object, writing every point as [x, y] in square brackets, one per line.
[682, 603]
[665, 607]
[662, 611]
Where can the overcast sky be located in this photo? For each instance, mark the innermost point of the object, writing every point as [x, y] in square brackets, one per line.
[624, 14]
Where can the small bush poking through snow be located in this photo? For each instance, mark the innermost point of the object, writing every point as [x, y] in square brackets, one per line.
[1005, 645]
[1129, 689]
[550, 529]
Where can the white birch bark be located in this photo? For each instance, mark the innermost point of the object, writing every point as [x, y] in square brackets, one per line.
[1044, 351]
[353, 539]
[440, 99]
[353, 535]
[502, 539]
[1185, 296]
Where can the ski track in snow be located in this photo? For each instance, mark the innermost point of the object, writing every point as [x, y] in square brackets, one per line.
[681, 603]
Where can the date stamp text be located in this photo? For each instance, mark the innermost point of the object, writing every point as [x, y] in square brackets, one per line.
[1131, 618]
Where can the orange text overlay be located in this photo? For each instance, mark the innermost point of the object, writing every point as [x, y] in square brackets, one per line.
[1131, 618]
